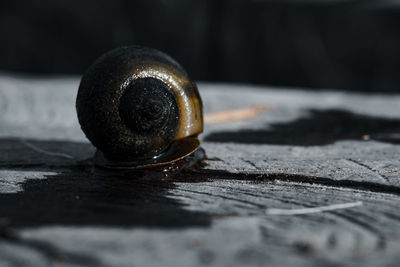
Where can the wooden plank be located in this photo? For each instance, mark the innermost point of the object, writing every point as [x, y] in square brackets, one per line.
[313, 149]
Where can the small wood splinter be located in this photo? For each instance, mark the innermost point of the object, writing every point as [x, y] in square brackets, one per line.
[236, 114]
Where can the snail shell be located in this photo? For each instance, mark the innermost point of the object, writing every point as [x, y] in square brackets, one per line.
[139, 108]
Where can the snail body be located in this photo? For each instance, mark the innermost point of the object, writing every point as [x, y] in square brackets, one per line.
[138, 107]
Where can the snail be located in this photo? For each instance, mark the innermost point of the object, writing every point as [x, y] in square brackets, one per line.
[139, 108]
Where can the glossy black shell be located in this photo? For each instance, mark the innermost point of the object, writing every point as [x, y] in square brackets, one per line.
[129, 104]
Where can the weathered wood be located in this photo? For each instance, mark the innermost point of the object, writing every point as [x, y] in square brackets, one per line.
[313, 149]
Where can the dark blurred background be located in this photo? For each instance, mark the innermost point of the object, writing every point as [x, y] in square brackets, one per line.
[352, 45]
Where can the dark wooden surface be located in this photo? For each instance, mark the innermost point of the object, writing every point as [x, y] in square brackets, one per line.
[313, 150]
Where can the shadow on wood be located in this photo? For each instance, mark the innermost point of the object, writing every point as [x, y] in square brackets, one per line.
[320, 128]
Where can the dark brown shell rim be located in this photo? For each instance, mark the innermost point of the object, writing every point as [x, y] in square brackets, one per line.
[179, 149]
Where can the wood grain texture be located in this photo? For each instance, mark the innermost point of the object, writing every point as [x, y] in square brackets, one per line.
[314, 149]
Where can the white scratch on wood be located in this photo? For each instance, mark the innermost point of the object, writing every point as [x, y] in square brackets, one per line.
[42, 151]
[313, 210]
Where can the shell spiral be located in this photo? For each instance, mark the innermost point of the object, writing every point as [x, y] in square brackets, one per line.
[134, 102]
